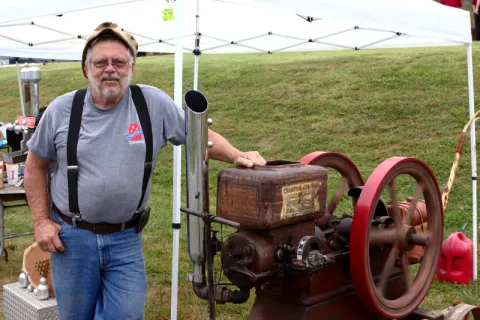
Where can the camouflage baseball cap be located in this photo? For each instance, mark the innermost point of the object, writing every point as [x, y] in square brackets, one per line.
[110, 28]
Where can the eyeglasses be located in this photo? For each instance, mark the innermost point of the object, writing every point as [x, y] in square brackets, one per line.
[116, 63]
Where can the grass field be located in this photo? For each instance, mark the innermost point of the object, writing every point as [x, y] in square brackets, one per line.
[369, 105]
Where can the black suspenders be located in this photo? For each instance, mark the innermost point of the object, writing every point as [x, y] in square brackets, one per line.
[144, 116]
[72, 142]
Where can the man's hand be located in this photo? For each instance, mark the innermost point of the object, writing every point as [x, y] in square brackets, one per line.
[223, 151]
[46, 235]
[249, 159]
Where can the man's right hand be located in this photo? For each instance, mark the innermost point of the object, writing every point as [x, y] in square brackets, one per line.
[46, 235]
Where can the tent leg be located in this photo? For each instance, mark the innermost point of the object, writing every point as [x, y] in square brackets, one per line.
[471, 105]
[197, 43]
[177, 155]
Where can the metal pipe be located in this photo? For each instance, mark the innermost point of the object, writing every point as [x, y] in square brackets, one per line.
[196, 111]
[16, 235]
[197, 48]
[35, 77]
[226, 222]
[25, 77]
[223, 294]
[473, 156]
[35, 100]
[199, 220]
[27, 99]
[20, 88]
[177, 157]
[238, 296]
[210, 291]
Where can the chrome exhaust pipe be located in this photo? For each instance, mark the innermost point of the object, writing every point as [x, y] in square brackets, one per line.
[196, 112]
[196, 123]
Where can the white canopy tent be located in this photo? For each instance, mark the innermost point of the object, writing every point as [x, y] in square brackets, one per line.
[226, 28]
[57, 29]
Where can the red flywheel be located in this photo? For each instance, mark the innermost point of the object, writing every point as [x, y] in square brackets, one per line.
[393, 181]
[350, 176]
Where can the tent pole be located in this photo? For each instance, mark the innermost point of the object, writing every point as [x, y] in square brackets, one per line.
[20, 89]
[195, 74]
[471, 105]
[177, 155]
[197, 47]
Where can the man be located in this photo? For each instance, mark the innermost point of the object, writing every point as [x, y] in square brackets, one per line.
[452, 3]
[476, 17]
[101, 274]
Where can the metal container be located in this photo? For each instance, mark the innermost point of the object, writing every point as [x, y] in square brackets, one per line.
[35, 77]
[20, 304]
[25, 77]
[277, 194]
[15, 157]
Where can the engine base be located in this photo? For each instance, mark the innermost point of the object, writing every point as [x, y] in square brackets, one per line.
[345, 306]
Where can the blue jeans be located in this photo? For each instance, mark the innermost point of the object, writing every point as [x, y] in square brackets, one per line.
[99, 276]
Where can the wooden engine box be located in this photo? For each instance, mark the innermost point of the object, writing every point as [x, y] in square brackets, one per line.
[277, 194]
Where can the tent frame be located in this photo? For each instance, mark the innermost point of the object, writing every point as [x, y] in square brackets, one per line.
[198, 35]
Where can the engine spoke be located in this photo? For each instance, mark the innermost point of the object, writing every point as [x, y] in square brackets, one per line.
[393, 200]
[387, 270]
[406, 271]
[332, 205]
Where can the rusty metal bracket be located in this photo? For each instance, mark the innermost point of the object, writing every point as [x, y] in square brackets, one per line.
[462, 311]
[458, 312]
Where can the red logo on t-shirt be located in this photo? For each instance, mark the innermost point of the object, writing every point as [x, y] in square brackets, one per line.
[134, 132]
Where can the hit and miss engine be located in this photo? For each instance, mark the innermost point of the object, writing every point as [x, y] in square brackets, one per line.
[305, 262]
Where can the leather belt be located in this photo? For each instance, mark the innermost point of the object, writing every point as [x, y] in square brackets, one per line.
[101, 228]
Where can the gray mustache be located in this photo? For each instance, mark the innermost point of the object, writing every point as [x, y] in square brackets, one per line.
[110, 76]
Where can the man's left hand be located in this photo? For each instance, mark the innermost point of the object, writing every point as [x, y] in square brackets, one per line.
[249, 159]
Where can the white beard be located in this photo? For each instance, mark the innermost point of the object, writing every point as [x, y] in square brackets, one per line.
[96, 83]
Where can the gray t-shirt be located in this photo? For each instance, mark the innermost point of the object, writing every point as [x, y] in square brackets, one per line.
[110, 152]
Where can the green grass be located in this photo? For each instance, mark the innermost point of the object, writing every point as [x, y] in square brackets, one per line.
[369, 105]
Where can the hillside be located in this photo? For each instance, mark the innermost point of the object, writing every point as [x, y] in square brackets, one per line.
[369, 105]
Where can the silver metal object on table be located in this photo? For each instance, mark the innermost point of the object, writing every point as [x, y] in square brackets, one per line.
[42, 289]
[23, 280]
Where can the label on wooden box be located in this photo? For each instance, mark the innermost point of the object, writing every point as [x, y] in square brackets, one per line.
[300, 199]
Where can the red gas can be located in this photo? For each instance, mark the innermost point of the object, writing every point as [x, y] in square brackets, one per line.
[456, 259]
